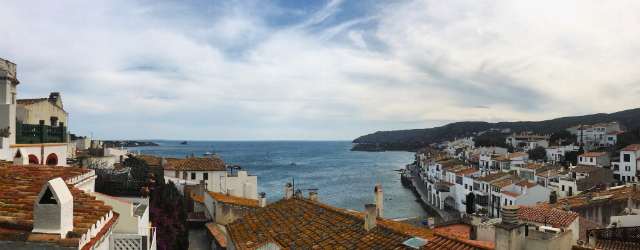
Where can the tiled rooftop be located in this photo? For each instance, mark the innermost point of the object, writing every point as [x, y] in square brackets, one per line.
[233, 199]
[299, 223]
[492, 177]
[585, 169]
[153, 160]
[20, 187]
[505, 182]
[468, 171]
[510, 193]
[36, 100]
[617, 195]
[632, 147]
[515, 155]
[198, 164]
[535, 165]
[551, 216]
[592, 154]
[526, 184]
[445, 183]
[586, 225]
[443, 241]
[197, 198]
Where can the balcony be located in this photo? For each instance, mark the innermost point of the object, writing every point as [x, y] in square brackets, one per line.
[31, 133]
[144, 240]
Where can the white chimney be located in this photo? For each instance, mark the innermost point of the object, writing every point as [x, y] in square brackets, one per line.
[53, 209]
[20, 157]
[231, 192]
[288, 191]
[378, 199]
[313, 194]
[370, 212]
[263, 200]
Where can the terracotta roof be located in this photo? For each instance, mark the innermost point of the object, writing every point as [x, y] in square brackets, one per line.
[468, 171]
[616, 245]
[527, 184]
[211, 226]
[153, 160]
[617, 195]
[476, 155]
[515, 155]
[586, 225]
[548, 173]
[492, 177]
[233, 199]
[552, 216]
[20, 187]
[593, 154]
[36, 100]
[632, 147]
[510, 193]
[535, 165]
[445, 183]
[615, 133]
[197, 198]
[443, 241]
[198, 164]
[299, 223]
[585, 169]
[505, 182]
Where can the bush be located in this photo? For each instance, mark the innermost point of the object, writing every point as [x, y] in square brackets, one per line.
[169, 216]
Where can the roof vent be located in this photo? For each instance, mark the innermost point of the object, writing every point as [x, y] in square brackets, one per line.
[20, 158]
[53, 209]
[415, 242]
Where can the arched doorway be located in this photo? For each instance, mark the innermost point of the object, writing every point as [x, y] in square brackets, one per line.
[52, 159]
[33, 159]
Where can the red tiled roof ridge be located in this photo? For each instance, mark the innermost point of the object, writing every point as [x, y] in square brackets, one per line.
[102, 232]
[199, 164]
[225, 198]
[510, 193]
[474, 243]
[593, 154]
[554, 216]
[36, 100]
[632, 147]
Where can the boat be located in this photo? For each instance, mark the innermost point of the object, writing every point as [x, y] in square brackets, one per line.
[208, 153]
[184, 143]
[293, 164]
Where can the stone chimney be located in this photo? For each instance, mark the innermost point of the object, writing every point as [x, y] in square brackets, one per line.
[53, 209]
[565, 205]
[378, 199]
[370, 214]
[313, 194]
[588, 197]
[263, 200]
[231, 192]
[510, 233]
[288, 191]
[163, 162]
[553, 197]
[20, 157]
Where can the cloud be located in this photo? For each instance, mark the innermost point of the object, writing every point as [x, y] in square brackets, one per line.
[322, 70]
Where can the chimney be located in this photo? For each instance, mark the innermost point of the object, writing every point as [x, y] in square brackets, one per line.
[510, 233]
[53, 209]
[510, 215]
[20, 157]
[121, 158]
[298, 193]
[202, 188]
[553, 197]
[378, 199]
[313, 194]
[263, 200]
[565, 205]
[588, 197]
[288, 191]
[231, 192]
[192, 155]
[370, 212]
[163, 162]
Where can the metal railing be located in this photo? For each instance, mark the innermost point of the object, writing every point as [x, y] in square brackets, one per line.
[33, 133]
[624, 234]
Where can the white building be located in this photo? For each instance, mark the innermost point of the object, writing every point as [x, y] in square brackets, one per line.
[215, 176]
[627, 169]
[594, 159]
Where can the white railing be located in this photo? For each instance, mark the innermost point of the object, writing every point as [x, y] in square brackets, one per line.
[146, 237]
[150, 232]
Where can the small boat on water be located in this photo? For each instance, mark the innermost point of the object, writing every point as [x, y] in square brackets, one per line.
[293, 164]
[184, 143]
[208, 154]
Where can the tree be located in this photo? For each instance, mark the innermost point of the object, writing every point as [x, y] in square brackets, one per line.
[537, 153]
[510, 149]
[169, 216]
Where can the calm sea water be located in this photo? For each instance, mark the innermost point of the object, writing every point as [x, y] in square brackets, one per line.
[345, 179]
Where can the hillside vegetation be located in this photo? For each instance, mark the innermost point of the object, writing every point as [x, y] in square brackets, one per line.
[413, 139]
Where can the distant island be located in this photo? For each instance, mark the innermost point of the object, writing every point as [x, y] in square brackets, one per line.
[415, 139]
[129, 143]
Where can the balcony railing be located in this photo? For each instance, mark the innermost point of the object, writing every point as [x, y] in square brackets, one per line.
[144, 240]
[32, 133]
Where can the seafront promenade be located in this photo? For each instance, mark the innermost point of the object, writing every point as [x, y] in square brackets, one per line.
[421, 191]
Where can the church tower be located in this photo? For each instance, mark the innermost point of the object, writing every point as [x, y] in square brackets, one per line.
[8, 98]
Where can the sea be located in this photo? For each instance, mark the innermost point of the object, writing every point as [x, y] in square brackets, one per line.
[344, 178]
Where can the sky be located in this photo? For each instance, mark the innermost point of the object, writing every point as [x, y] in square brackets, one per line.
[321, 69]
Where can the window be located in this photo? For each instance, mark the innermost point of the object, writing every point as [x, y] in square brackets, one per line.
[510, 202]
[627, 157]
[580, 158]
[562, 187]
[627, 168]
[591, 159]
[205, 176]
[193, 176]
[465, 186]
[505, 202]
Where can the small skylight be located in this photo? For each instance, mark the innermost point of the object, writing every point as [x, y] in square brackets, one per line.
[414, 242]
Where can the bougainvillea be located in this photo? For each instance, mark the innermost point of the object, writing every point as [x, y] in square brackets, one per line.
[169, 217]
